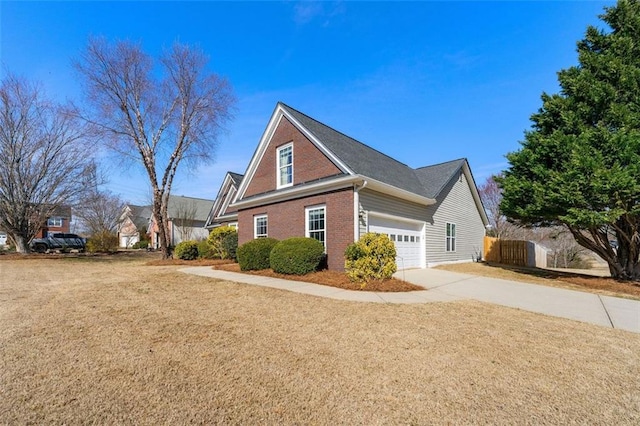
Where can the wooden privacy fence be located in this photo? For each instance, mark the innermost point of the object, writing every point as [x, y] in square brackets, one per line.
[514, 252]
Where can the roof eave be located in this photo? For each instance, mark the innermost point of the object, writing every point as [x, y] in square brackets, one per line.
[394, 191]
[297, 192]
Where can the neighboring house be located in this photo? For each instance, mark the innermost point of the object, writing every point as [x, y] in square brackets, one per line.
[221, 214]
[307, 179]
[58, 221]
[187, 217]
[134, 222]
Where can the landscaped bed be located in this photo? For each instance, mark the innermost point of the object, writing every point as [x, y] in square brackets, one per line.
[332, 279]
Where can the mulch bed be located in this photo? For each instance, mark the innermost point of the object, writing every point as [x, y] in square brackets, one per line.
[331, 279]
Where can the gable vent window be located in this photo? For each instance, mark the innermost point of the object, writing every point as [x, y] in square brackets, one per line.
[451, 237]
[285, 165]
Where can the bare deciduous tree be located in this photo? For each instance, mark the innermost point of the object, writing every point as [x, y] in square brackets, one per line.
[160, 122]
[100, 211]
[185, 217]
[491, 196]
[45, 160]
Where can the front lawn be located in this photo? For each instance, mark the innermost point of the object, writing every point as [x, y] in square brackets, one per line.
[104, 341]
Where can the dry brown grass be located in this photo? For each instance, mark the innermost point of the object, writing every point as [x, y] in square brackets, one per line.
[110, 341]
[554, 278]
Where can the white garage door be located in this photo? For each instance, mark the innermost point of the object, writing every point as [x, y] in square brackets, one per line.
[407, 236]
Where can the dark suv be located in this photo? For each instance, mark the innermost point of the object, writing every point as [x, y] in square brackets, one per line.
[59, 241]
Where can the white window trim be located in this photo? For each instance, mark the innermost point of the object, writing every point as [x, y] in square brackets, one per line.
[53, 220]
[278, 167]
[307, 231]
[452, 238]
[255, 226]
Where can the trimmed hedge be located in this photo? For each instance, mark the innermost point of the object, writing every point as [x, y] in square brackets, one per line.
[372, 257]
[186, 250]
[254, 254]
[297, 256]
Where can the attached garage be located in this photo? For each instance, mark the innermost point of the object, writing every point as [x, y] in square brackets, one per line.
[408, 237]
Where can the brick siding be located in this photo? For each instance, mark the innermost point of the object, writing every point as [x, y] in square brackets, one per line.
[309, 163]
[287, 219]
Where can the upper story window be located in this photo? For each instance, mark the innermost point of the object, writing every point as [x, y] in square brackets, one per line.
[316, 223]
[451, 237]
[54, 222]
[260, 227]
[285, 166]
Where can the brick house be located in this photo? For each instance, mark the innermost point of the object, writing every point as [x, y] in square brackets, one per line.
[58, 221]
[307, 179]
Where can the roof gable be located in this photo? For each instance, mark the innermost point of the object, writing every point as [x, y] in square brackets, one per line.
[357, 163]
[311, 161]
[226, 194]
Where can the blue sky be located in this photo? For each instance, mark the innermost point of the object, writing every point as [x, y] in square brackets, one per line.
[424, 82]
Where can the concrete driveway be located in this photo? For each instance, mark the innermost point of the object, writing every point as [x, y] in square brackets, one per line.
[592, 308]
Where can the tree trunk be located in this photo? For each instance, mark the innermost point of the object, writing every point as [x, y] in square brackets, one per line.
[21, 244]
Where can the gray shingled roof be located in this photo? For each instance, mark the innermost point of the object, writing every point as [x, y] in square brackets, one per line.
[366, 161]
[140, 215]
[236, 178]
[435, 177]
[179, 204]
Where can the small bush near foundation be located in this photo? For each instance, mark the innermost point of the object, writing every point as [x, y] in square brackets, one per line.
[186, 250]
[141, 245]
[230, 246]
[205, 251]
[373, 257]
[254, 254]
[216, 241]
[297, 256]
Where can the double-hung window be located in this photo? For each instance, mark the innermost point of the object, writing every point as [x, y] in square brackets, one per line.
[54, 222]
[316, 223]
[451, 237]
[285, 166]
[260, 227]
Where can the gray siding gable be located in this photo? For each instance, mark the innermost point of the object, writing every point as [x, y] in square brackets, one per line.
[456, 204]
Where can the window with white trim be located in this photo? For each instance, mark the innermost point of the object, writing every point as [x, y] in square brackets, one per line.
[451, 237]
[316, 223]
[54, 222]
[285, 165]
[260, 226]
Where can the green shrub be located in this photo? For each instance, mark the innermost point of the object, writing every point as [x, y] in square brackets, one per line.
[205, 251]
[186, 250]
[373, 257]
[230, 246]
[102, 242]
[254, 254]
[216, 241]
[141, 245]
[296, 256]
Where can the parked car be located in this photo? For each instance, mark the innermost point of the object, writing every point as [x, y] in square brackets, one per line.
[59, 241]
[3, 239]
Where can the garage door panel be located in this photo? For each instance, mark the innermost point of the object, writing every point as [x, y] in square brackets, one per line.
[406, 236]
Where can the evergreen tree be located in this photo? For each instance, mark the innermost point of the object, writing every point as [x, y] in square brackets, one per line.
[579, 165]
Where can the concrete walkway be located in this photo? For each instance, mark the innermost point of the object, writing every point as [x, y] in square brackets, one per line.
[445, 286]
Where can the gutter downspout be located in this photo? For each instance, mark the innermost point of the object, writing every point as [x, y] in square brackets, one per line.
[356, 209]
